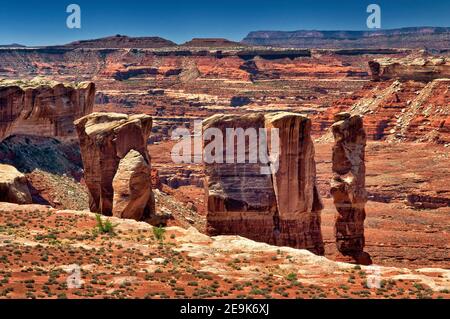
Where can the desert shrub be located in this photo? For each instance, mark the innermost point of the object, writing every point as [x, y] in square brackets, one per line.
[104, 227]
[159, 233]
[291, 277]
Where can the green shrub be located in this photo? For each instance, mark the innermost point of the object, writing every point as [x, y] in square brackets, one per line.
[291, 277]
[159, 233]
[104, 227]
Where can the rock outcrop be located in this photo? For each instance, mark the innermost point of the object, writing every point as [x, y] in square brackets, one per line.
[110, 144]
[348, 185]
[414, 68]
[13, 186]
[43, 108]
[281, 207]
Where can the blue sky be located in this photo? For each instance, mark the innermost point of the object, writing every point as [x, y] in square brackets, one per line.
[40, 22]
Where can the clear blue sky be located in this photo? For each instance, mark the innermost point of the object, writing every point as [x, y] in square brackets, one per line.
[41, 22]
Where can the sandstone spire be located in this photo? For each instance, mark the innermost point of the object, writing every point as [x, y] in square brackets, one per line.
[348, 185]
[114, 149]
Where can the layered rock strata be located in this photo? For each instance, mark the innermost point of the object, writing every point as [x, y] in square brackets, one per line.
[348, 184]
[43, 108]
[275, 202]
[410, 68]
[117, 164]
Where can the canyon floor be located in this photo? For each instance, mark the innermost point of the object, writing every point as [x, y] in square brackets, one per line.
[42, 244]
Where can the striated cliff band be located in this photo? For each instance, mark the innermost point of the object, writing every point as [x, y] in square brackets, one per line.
[43, 107]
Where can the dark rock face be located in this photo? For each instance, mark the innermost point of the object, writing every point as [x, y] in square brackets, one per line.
[237, 101]
[282, 207]
[348, 184]
[28, 153]
[418, 37]
[105, 140]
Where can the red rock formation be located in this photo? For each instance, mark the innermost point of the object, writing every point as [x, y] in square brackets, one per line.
[106, 139]
[13, 186]
[43, 108]
[282, 208]
[348, 185]
[411, 68]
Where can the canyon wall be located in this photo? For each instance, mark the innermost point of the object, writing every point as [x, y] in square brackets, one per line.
[43, 108]
[281, 206]
[116, 164]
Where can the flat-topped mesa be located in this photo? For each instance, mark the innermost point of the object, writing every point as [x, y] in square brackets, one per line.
[424, 69]
[117, 165]
[41, 107]
[276, 202]
[348, 185]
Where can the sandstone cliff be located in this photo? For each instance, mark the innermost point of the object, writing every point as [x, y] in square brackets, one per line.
[281, 208]
[43, 108]
[132, 187]
[105, 141]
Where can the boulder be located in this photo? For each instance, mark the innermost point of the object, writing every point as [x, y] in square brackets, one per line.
[348, 184]
[281, 207]
[106, 139]
[13, 186]
[43, 108]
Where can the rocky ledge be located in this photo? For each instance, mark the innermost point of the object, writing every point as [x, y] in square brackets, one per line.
[138, 262]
